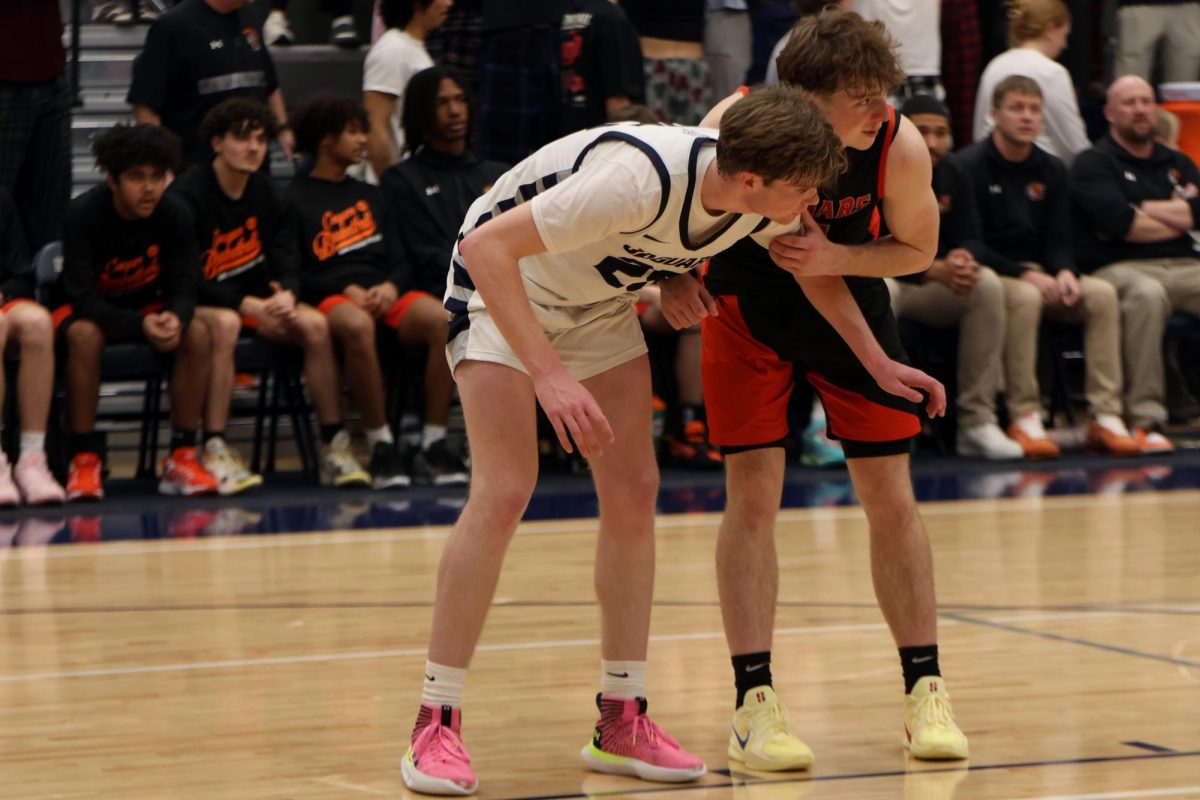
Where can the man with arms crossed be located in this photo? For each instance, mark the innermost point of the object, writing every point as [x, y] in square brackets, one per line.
[541, 298]
[767, 332]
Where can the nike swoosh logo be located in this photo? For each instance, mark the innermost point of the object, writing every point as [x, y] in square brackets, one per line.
[429, 677]
[922, 659]
[619, 674]
[740, 740]
[757, 666]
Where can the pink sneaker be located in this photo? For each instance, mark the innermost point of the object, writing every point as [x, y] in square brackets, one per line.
[37, 485]
[437, 762]
[9, 496]
[626, 742]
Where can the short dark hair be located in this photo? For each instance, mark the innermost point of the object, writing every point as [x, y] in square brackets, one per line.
[1014, 83]
[325, 114]
[398, 13]
[836, 49]
[239, 116]
[778, 133]
[418, 118]
[124, 147]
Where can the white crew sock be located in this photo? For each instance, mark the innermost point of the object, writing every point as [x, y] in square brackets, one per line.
[381, 434]
[624, 679]
[443, 685]
[431, 434]
[33, 442]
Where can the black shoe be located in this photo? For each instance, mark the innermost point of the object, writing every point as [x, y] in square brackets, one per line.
[388, 467]
[440, 466]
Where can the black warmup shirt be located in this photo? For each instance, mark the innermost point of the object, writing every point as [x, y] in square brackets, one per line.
[677, 20]
[1024, 208]
[431, 192]
[193, 59]
[601, 58]
[1106, 182]
[31, 46]
[243, 244]
[16, 271]
[849, 214]
[113, 267]
[345, 236]
[959, 224]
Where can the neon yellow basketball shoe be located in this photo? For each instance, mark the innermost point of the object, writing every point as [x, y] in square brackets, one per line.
[760, 738]
[930, 731]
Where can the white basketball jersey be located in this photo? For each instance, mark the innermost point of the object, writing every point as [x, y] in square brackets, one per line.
[617, 207]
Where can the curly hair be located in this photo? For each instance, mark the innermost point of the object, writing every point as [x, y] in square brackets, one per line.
[124, 147]
[836, 49]
[325, 114]
[777, 133]
[238, 116]
[1028, 19]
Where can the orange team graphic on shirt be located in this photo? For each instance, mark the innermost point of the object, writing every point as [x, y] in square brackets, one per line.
[343, 231]
[234, 251]
[129, 275]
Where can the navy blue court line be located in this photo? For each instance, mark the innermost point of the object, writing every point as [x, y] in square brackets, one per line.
[1153, 748]
[1126, 651]
[946, 610]
[853, 776]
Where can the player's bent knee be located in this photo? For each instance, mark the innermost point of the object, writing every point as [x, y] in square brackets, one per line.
[83, 335]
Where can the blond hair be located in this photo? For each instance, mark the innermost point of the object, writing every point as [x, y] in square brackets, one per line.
[777, 133]
[1028, 19]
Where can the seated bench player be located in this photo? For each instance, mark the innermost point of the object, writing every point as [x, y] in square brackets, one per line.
[129, 275]
[354, 271]
[26, 334]
[251, 279]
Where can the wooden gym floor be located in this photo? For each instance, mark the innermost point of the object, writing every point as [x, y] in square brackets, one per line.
[289, 667]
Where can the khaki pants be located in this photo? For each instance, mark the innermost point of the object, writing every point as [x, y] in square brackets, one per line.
[1149, 292]
[1139, 29]
[1096, 309]
[980, 317]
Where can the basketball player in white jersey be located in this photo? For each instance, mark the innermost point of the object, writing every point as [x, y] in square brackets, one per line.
[541, 300]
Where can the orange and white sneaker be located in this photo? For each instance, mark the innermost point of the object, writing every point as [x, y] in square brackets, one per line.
[1028, 432]
[692, 449]
[183, 474]
[85, 479]
[1152, 441]
[1108, 435]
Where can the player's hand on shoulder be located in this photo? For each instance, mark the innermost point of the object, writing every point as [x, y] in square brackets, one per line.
[808, 253]
[574, 413]
[685, 301]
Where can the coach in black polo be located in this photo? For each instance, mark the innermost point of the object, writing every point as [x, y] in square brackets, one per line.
[196, 55]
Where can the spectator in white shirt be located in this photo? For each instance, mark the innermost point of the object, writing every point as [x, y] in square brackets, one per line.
[398, 55]
[1037, 34]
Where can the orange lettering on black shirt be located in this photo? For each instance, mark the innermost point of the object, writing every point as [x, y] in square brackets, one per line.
[123, 277]
[342, 230]
[232, 250]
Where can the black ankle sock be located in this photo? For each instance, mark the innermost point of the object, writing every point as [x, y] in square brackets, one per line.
[751, 670]
[917, 663]
[182, 439]
[329, 431]
[213, 435]
[90, 442]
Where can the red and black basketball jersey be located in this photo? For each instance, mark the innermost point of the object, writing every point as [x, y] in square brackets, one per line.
[848, 213]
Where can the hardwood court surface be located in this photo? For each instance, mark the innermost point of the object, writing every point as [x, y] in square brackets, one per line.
[289, 667]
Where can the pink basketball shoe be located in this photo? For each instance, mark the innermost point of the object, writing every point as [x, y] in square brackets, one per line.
[437, 762]
[626, 742]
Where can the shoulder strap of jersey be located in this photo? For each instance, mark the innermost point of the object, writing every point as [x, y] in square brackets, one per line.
[664, 175]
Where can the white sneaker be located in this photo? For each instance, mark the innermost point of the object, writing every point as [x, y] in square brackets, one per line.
[224, 464]
[987, 441]
[339, 467]
[276, 30]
